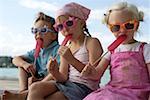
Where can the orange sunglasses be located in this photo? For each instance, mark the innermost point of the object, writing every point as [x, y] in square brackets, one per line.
[129, 25]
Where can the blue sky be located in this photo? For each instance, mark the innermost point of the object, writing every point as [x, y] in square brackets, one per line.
[16, 20]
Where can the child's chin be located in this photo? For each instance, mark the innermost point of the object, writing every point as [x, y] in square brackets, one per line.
[124, 42]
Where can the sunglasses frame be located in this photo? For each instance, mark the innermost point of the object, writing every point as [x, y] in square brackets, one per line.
[135, 22]
[64, 24]
[40, 30]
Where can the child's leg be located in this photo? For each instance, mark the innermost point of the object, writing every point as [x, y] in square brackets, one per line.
[56, 96]
[23, 79]
[39, 90]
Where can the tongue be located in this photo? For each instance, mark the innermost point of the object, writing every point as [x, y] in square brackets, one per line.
[67, 38]
[39, 44]
[117, 42]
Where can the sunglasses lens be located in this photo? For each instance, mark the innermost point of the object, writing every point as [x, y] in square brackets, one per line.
[33, 30]
[43, 30]
[69, 23]
[59, 27]
[115, 28]
[129, 26]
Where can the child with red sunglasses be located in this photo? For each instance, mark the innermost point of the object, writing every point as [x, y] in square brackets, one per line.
[68, 82]
[129, 62]
[29, 71]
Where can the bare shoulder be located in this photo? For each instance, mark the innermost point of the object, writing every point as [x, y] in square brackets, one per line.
[94, 46]
[93, 42]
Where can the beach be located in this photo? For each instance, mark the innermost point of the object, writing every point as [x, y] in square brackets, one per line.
[8, 79]
[9, 84]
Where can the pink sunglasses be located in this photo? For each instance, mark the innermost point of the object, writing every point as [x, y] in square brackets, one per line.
[68, 23]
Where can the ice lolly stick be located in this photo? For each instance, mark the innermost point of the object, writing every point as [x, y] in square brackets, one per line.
[112, 47]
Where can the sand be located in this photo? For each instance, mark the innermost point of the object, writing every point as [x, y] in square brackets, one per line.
[8, 84]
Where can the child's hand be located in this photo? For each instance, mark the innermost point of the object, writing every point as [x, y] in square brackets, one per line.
[65, 52]
[30, 68]
[52, 66]
[89, 72]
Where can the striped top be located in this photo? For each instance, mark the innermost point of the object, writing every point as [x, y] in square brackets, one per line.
[74, 75]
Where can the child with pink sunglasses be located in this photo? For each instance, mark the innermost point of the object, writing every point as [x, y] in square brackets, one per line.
[68, 82]
[129, 62]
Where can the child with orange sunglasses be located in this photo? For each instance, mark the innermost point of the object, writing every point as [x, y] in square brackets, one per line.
[129, 62]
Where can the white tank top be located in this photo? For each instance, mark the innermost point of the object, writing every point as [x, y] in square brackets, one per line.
[74, 75]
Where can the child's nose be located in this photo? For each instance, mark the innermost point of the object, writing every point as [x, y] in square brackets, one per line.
[122, 30]
[65, 29]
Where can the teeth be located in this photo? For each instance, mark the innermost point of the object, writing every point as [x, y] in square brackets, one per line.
[121, 34]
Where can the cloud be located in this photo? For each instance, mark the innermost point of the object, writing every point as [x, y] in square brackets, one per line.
[2, 28]
[146, 12]
[97, 13]
[14, 43]
[35, 4]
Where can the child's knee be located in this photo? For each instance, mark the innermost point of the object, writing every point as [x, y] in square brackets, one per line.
[34, 86]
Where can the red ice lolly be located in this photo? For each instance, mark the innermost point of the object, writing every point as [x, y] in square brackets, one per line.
[64, 42]
[39, 44]
[117, 42]
[112, 46]
[67, 38]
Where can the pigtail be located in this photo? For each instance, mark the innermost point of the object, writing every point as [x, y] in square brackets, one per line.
[141, 16]
[86, 30]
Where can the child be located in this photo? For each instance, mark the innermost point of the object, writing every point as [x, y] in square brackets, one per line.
[67, 80]
[43, 29]
[129, 62]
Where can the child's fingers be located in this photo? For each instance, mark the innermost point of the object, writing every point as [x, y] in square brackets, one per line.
[32, 71]
[52, 64]
[62, 50]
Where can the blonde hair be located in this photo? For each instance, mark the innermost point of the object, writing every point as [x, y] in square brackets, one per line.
[124, 5]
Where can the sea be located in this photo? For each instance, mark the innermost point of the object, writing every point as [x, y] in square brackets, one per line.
[12, 74]
[8, 73]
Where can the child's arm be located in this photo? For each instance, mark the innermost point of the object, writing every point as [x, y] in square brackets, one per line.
[61, 74]
[94, 49]
[95, 73]
[66, 54]
[20, 61]
[102, 66]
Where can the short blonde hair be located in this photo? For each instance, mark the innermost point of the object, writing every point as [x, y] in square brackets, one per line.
[124, 5]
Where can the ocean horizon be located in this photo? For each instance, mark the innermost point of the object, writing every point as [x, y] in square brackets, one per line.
[9, 73]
